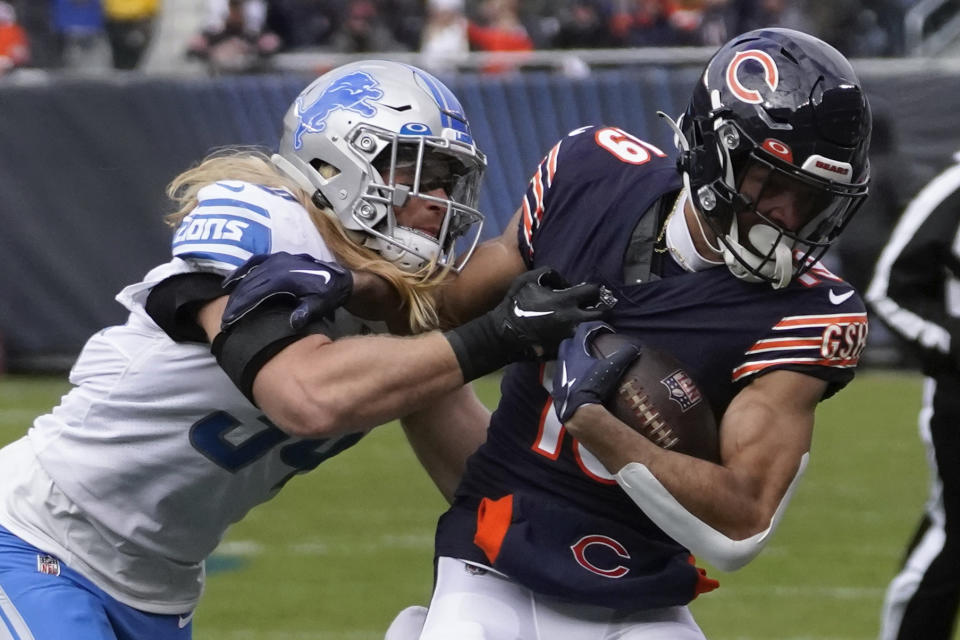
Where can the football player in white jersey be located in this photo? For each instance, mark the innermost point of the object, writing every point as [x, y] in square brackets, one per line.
[174, 428]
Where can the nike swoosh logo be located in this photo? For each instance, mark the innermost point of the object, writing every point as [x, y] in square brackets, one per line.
[840, 298]
[231, 187]
[314, 272]
[523, 313]
[183, 621]
[566, 384]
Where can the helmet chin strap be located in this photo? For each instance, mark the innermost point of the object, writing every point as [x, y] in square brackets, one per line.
[778, 271]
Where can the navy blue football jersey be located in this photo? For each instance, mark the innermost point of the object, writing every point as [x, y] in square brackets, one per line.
[578, 215]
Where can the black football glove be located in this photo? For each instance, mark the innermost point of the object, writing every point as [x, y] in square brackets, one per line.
[317, 288]
[580, 377]
[539, 310]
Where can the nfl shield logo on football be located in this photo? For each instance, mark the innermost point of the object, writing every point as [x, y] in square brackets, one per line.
[48, 565]
[681, 389]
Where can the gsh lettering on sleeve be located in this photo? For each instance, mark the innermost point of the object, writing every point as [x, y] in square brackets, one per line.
[844, 342]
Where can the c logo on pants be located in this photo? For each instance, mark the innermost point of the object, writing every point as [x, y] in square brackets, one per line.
[580, 554]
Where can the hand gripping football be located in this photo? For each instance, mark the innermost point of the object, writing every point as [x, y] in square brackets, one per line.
[662, 402]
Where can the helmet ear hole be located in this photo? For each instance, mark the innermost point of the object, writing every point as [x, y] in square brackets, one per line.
[325, 169]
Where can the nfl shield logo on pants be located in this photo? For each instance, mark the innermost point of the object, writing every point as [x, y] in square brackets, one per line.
[48, 565]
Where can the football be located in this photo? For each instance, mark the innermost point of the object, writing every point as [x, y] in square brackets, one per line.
[658, 399]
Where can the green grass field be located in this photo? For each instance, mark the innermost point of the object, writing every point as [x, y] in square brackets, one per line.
[342, 549]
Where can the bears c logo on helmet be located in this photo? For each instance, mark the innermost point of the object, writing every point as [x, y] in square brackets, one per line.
[771, 75]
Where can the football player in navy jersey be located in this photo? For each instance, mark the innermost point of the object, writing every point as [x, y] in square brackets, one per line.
[112, 501]
[567, 522]
[574, 525]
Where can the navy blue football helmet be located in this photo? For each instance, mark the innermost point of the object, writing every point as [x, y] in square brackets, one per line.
[790, 104]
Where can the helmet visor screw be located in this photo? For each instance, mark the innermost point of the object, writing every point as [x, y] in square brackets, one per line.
[708, 200]
[730, 136]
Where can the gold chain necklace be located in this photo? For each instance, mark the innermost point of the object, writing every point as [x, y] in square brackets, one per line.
[661, 245]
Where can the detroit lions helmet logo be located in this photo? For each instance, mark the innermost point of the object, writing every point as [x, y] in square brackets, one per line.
[353, 92]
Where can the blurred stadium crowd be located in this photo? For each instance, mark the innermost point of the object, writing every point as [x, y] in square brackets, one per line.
[239, 35]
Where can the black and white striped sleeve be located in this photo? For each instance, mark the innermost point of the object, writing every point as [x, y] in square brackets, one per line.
[916, 284]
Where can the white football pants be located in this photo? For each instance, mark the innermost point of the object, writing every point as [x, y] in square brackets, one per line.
[470, 603]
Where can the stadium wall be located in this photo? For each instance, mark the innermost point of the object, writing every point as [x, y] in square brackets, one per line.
[84, 163]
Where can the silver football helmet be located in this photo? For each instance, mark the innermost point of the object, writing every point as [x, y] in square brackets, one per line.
[366, 137]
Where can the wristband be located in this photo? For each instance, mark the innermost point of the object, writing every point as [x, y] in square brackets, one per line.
[478, 348]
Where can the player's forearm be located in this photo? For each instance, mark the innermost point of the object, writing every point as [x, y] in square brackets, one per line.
[445, 434]
[712, 493]
[484, 280]
[373, 298]
[209, 317]
[317, 388]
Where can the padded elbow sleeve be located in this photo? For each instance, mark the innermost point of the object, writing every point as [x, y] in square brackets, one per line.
[700, 538]
[251, 342]
[174, 302]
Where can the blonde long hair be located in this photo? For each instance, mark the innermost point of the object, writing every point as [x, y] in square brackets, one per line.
[253, 165]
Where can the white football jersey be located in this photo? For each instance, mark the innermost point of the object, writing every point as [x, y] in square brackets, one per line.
[154, 452]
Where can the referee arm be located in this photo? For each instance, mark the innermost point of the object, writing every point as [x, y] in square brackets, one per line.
[915, 289]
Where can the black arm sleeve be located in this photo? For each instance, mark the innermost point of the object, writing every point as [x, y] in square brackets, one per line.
[243, 349]
[173, 304]
[249, 344]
